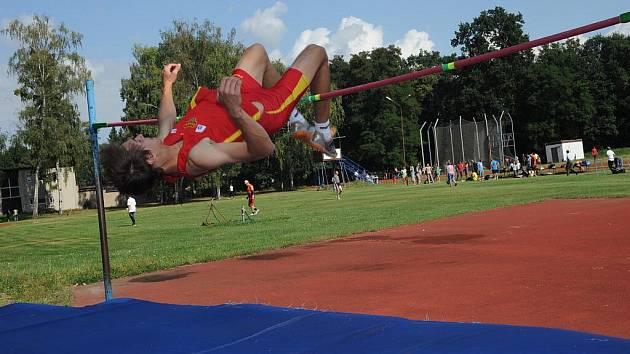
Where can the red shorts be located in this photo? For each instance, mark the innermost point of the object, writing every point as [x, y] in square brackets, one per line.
[250, 200]
[278, 101]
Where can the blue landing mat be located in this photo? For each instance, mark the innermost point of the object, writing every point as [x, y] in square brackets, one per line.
[134, 326]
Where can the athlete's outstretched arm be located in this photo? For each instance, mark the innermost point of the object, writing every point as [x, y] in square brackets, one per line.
[167, 114]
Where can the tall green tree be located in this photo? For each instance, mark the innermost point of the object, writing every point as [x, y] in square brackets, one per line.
[50, 73]
[497, 85]
[13, 153]
[608, 72]
[561, 104]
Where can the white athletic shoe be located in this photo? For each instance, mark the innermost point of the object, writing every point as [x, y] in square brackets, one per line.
[301, 129]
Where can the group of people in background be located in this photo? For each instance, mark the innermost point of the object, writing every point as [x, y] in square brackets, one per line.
[416, 174]
[526, 165]
[529, 165]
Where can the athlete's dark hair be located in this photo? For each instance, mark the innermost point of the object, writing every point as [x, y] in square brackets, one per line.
[128, 170]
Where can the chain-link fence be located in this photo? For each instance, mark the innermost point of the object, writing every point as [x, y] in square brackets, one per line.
[485, 139]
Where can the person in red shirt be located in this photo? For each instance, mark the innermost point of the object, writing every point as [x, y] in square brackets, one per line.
[251, 198]
[460, 171]
[226, 125]
[594, 153]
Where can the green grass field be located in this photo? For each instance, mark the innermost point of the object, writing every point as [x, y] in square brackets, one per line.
[40, 260]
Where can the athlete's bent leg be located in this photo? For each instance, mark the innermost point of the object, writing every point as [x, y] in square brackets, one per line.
[255, 62]
[313, 63]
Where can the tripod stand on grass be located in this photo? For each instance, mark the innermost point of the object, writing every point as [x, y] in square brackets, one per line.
[218, 217]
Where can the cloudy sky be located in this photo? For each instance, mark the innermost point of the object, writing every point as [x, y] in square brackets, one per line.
[111, 28]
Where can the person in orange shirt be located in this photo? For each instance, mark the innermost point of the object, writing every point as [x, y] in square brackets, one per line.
[251, 198]
[226, 125]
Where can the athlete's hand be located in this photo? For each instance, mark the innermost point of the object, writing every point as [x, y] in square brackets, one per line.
[169, 73]
[229, 95]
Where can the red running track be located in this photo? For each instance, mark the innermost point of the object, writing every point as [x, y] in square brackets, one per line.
[559, 263]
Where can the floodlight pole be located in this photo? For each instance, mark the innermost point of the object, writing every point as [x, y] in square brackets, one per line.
[102, 225]
[437, 154]
[402, 127]
[461, 138]
[429, 144]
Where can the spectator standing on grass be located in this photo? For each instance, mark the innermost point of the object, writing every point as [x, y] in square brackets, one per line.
[131, 209]
[251, 199]
[412, 171]
[466, 170]
[515, 165]
[494, 166]
[428, 171]
[231, 191]
[594, 153]
[403, 173]
[395, 175]
[438, 172]
[611, 158]
[450, 174]
[460, 170]
[480, 170]
[337, 185]
[536, 163]
[568, 166]
[419, 172]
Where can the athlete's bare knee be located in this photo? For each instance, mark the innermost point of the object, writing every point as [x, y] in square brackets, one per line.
[317, 49]
[257, 48]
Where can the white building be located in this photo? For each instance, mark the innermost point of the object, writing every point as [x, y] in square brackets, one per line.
[557, 151]
[61, 193]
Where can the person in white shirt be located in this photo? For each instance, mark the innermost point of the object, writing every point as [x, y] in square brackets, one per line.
[131, 208]
[231, 191]
[611, 158]
[337, 184]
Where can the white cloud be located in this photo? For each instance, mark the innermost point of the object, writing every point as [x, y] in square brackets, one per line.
[622, 28]
[353, 35]
[413, 42]
[319, 36]
[266, 26]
